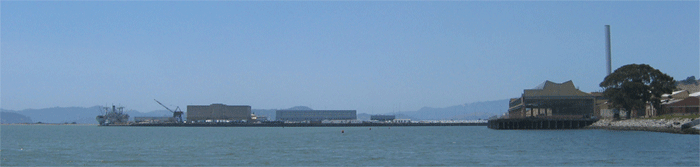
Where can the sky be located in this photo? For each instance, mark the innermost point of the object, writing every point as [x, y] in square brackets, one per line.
[373, 57]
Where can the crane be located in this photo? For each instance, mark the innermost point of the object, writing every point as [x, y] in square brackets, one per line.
[177, 113]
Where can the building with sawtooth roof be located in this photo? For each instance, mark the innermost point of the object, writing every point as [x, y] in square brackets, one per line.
[553, 100]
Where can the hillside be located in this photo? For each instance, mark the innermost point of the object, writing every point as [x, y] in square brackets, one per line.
[692, 88]
[81, 115]
[689, 84]
[86, 115]
[60, 114]
[13, 118]
[477, 110]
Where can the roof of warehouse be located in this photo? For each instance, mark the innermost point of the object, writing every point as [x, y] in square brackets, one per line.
[696, 94]
[551, 89]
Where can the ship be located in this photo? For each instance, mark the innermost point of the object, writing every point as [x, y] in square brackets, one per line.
[113, 116]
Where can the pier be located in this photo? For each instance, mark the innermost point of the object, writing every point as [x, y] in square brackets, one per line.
[539, 123]
[548, 106]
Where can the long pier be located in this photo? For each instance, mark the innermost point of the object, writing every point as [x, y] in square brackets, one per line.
[297, 124]
[539, 123]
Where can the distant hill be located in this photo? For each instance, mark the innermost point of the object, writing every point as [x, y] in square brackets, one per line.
[13, 118]
[477, 110]
[86, 115]
[689, 84]
[689, 81]
[61, 114]
[81, 115]
[692, 88]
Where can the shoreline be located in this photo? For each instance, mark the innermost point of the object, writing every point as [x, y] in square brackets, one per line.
[650, 125]
[45, 124]
[300, 124]
[649, 129]
[272, 124]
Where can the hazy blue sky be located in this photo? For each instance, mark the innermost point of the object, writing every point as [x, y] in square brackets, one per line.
[374, 57]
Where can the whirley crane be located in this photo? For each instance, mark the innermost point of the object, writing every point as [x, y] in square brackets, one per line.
[177, 113]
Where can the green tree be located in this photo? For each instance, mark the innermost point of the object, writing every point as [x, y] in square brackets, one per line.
[631, 86]
[690, 80]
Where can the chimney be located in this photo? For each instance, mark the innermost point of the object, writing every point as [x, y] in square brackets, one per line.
[608, 52]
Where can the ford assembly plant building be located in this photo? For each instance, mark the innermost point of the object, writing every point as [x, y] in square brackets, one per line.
[217, 113]
[315, 115]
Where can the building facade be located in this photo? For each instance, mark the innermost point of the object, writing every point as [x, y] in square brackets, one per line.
[553, 100]
[315, 115]
[218, 113]
[681, 105]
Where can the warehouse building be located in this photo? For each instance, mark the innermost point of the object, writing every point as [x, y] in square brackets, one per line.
[553, 100]
[688, 104]
[315, 115]
[218, 113]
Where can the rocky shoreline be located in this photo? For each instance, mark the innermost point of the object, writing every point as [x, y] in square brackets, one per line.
[654, 125]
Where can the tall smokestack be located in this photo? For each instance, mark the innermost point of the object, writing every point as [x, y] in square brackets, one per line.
[608, 52]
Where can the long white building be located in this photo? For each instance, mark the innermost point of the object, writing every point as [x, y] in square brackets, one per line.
[315, 115]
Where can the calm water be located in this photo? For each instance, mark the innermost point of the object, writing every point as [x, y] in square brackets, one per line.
[43, 145]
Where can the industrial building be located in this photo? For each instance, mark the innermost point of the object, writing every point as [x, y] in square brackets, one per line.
[552, 100]
[218, 113]
[315, 115]
[680, 103]
[382, 118]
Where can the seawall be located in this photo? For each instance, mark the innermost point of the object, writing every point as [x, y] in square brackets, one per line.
[300, 124]
[654, 125]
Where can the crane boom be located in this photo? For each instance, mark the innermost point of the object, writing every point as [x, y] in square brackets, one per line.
[177, 114]
[161, 104]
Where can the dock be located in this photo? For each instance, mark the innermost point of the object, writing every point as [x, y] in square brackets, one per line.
[539, 123]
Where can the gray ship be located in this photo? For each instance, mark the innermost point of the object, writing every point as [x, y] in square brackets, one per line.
[113, 116]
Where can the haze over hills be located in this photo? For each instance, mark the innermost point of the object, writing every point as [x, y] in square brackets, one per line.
[83, 115]
[468, 111]
[60, 114]
[14, 118]
[476, 110]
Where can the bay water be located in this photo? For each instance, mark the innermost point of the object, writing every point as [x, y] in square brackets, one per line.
[90, 145]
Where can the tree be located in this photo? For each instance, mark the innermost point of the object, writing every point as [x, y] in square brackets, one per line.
[632, 86]
[689, 81]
